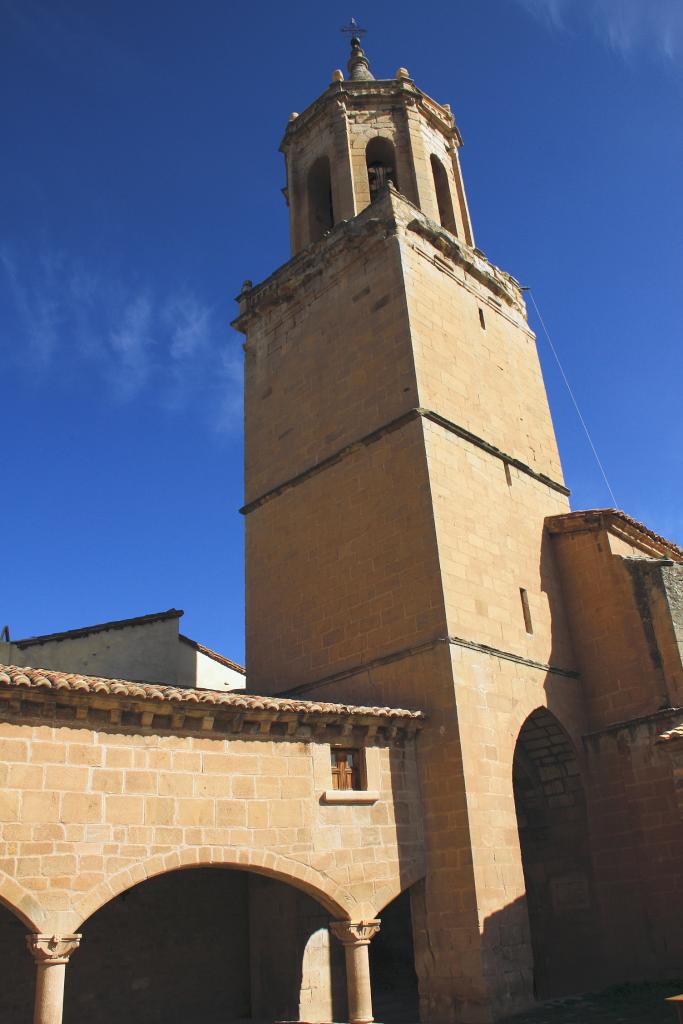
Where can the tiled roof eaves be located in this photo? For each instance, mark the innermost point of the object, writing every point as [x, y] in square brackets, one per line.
[72, 634]
[594, 517]
[15, 677]
[214, 655]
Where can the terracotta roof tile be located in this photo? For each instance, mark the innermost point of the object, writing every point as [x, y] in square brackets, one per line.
[39, 678]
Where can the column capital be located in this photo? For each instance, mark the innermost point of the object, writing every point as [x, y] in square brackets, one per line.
[355, 933]
[52, 949]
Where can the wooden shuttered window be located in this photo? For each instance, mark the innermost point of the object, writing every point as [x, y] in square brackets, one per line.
[346, 773]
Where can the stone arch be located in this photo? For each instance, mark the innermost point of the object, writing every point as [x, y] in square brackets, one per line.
[20, 902]
[409, 876]
[559, 719]
[337, 901]
[444, 201]
[542, 718]
[320, 205]
[554, 839]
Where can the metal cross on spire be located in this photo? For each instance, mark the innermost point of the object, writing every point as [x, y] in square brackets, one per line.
[353, 30]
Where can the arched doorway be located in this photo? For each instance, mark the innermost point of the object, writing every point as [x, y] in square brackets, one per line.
[553, 833]
[209, 944]
[18, 970]
[395, 997]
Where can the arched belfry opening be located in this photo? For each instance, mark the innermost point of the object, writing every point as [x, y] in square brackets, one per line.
[380, 159]
[320, 208]
[553, 834]
[443, 195]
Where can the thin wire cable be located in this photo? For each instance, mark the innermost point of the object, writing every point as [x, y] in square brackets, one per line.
[571, 395]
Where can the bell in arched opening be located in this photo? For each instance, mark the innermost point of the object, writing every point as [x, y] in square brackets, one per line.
[380, 158]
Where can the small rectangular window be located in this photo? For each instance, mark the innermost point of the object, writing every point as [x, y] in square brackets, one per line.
[508, 474]
[482, 321]
[526, 612]
[346, 769]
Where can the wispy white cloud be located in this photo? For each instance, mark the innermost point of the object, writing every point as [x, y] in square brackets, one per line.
[624, 25]
[62, 321]
[132, 343]
[38, 309]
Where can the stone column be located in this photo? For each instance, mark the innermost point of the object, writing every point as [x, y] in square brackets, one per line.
[355, 937]
[51, 954]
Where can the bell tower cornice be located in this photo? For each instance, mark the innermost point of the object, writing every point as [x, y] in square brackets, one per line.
[352, 96]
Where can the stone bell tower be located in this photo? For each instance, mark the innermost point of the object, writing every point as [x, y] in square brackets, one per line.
[400, 463]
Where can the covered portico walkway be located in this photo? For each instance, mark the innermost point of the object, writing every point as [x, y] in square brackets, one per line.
[122, 793]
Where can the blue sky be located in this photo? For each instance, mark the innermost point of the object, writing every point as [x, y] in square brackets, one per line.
[141, 184]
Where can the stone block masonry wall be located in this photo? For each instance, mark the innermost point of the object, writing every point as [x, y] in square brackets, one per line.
[406, 545]
[444, 912]
[637, 837]
[614, 634]
[492, 543]
[303, 350]
[495, 696]
[486, 379]
[351, 593]
[87, 814]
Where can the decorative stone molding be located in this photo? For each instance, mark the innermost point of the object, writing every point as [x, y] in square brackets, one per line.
[473, 261]
[350, 796]
[355, 933]
[52, 949]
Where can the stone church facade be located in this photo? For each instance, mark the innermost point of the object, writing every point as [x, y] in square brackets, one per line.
[517, 833]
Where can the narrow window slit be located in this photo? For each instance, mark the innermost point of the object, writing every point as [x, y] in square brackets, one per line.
[508, 474]
[482, 321]
[526, 611]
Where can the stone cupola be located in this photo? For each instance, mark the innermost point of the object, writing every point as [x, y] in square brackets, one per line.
[361, 135]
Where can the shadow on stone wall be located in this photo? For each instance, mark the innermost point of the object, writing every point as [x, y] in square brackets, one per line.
[17, 972]
[395, 998]
[172, 949]
[204, 944]
[553, 830]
